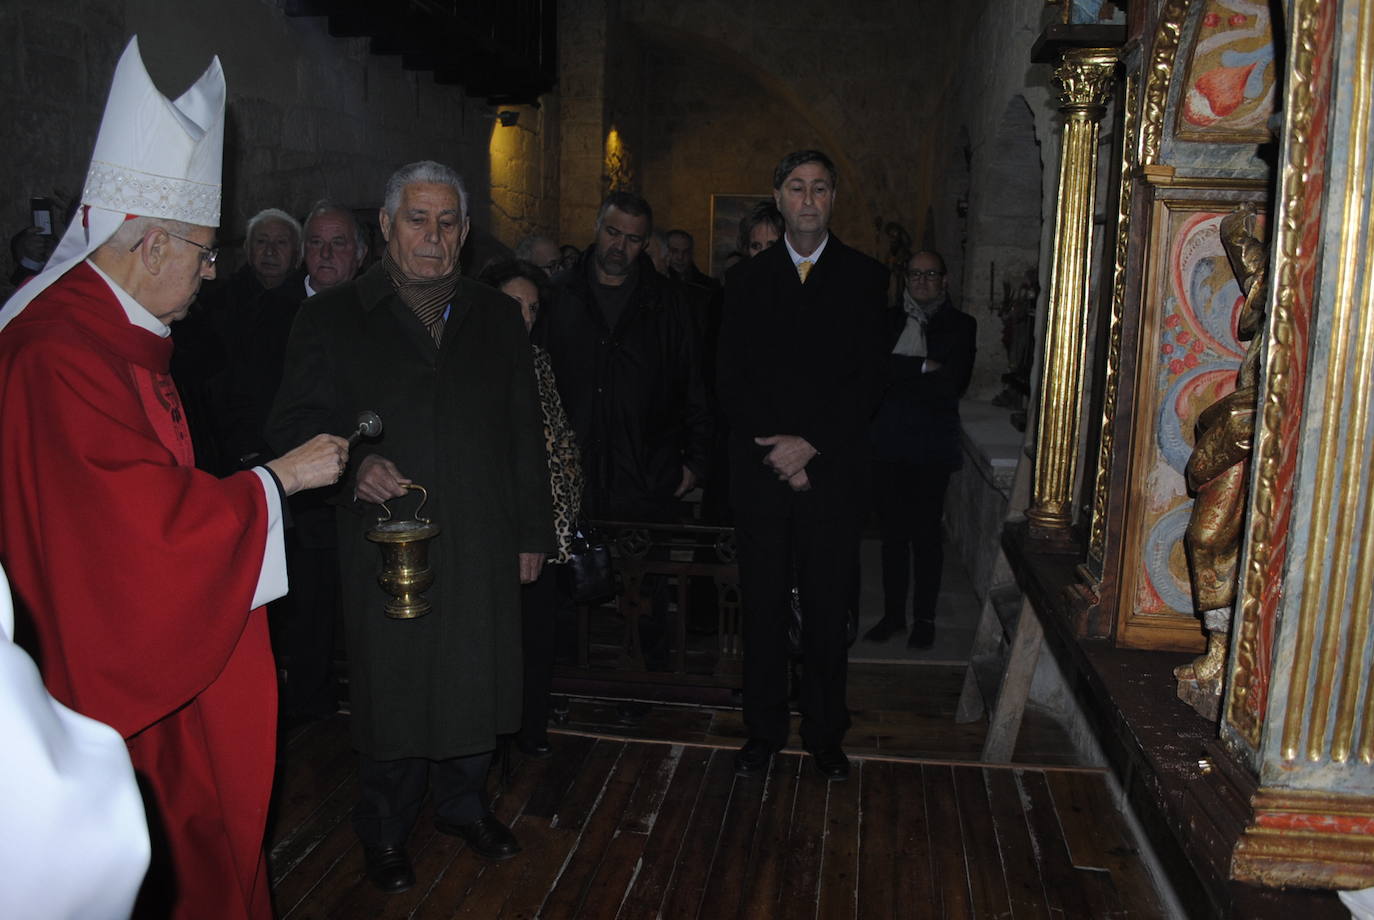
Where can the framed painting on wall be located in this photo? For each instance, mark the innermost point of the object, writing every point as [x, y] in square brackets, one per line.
[1188, 359]
[726, 212]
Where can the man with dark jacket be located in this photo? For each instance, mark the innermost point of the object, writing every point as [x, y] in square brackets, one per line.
[219, 363]
[624, 351]
[682, 265]
[303, 621]
[916, 443]
[798, 354]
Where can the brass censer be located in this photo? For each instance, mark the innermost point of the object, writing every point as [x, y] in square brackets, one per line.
[406, 574]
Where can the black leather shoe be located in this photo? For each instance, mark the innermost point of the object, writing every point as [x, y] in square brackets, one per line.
[831, 762]
[922, 635]
[539, 750]
[753, 757]
[884, 630]
[487, 837]
[389, 868]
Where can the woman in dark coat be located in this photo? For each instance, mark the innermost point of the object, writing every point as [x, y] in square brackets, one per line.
[527, 285]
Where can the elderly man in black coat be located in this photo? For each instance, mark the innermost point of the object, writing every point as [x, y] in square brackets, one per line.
[799, 351]
[445, 362]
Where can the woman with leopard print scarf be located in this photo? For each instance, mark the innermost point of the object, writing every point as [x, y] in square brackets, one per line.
[525, 283]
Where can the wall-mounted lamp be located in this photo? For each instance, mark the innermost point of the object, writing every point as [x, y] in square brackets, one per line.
[508, 118]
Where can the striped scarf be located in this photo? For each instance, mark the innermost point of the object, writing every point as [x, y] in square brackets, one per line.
[428, 298]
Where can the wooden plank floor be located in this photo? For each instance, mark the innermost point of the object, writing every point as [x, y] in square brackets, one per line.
[625, 828]
[899, 709]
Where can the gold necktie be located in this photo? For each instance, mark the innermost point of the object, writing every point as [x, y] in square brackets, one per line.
[804, 269]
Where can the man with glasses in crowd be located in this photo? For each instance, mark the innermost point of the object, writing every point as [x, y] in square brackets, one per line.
[916, 444]
[540, 251]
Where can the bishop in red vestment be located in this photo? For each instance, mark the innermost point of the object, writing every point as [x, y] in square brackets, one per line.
[139, 580]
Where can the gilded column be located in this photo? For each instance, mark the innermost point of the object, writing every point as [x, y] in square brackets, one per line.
[1085, 78]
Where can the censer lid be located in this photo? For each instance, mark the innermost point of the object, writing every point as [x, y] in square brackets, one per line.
[402, 531]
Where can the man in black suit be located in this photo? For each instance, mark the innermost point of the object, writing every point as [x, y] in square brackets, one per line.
[799, 351]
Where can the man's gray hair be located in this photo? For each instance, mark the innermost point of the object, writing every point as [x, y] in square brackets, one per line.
[423, 171]
[267, 214]
[325, 206]
[526, 247]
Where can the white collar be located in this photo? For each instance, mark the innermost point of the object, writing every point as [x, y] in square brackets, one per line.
[137, 313]
[798, 259]
[309, 291]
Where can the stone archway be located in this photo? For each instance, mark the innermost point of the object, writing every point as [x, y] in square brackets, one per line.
[1004, 227]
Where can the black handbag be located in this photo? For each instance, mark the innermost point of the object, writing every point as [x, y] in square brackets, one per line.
[794, 626]
[589, 576]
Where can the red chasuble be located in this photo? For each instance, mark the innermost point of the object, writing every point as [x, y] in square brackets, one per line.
[135, 572]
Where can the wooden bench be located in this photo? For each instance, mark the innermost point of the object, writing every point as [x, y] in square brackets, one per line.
[682, 553]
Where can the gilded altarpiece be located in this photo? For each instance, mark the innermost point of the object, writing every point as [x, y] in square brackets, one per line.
[1285, 797]
[1299, 712]
[1205, 92]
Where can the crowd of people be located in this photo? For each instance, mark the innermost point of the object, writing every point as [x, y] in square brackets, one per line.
[194, 443]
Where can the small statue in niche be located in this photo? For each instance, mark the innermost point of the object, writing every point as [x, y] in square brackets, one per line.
[1218, 472]
[1017, 312]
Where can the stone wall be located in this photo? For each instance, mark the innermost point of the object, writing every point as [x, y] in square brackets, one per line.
[860, 84]
[524, 173]
[1002, 115]
[910, 99]
[713, 129]
[980, 493]
[582, 31]
[309, 115]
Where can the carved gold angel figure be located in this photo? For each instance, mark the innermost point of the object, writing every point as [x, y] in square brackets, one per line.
[1218, 470]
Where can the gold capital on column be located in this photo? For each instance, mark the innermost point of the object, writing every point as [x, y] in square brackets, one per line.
[1085, 78]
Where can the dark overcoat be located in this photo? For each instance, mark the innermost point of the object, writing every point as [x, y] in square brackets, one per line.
[462, 420]
[634, 394]
[917, 420]
[802, 359]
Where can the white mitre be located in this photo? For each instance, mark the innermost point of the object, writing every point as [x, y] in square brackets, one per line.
[153, 158]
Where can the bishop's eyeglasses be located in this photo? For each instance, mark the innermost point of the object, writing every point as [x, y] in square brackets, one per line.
[208, 254]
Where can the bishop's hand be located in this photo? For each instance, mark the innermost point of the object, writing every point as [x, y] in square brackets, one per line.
[318, 462]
